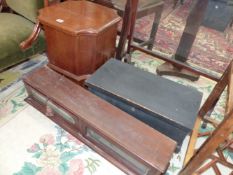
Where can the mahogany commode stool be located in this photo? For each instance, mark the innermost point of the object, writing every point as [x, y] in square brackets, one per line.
[80, 36]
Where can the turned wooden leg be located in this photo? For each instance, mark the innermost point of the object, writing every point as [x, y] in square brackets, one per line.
[206, 167]
[208, 105]
[175, 3]
[193, 23]
[132, 25]
[125, 30]
[210, 145]
[155, 25]
[129, 20]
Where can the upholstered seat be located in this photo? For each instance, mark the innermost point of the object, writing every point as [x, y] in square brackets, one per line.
[15, 28]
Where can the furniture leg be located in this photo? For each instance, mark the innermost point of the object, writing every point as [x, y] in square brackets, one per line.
[216, 170]
[175, 3]
[220, 154]
[128, 29]
[133, 12]
[207, 118]
[230, 90]
[219, 135]
[155, 25]
[124, 31]
[193, 139]
[211, 100]
[215, 94]
[193, 23]
[210, 145]
[206, 167]
[227, 164]
[230, 100]
[192, 26]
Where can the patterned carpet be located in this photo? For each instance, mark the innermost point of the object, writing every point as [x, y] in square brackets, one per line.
[211, 48]
[12, 92]
[14, 75]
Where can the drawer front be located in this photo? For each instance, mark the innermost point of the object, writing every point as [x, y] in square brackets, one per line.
[52, 109]
[59, 115]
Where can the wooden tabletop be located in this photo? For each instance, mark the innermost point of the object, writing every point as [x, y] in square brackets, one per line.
[76, 17]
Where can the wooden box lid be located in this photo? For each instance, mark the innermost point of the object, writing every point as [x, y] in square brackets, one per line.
[172, 102]
[77, 17]
[146, 143]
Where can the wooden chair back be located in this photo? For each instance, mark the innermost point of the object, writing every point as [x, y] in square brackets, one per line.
[194, 160]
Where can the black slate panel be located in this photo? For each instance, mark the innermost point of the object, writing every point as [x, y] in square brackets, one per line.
[171, 101]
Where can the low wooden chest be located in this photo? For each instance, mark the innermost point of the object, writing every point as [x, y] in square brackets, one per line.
[80, 35]
[166, 106]
[125, 141]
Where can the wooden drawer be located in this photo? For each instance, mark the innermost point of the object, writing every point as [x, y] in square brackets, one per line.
[126, 142]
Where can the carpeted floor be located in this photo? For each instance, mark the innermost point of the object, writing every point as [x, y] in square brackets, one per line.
[33, 145]
[12, 92]
[44, 148]
[15, 74]
[211, 48]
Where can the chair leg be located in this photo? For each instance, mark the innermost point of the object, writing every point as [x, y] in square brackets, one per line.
[193, 139]
[209, 103]
[157, 17]
[210, 145]
[133, 12]
[207, 166]
[175, 3]
[125, 30]
[219, 135]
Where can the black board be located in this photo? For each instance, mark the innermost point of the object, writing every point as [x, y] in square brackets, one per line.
[166, 106]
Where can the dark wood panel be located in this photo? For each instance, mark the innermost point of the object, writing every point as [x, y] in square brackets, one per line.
[98, 119]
